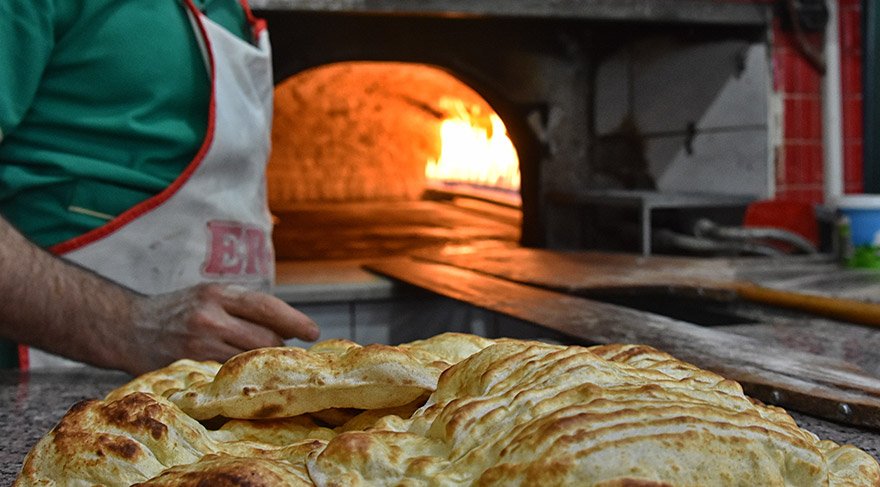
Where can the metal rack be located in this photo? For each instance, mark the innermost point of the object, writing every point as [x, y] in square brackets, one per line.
[648, 201]
[672, 11]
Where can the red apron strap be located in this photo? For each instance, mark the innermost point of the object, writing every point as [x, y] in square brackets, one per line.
[258, 25]
[23, 357]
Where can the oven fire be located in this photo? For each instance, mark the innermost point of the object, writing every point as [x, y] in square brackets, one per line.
[474, 149]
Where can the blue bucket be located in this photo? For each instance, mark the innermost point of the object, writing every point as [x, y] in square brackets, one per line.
[863, 212]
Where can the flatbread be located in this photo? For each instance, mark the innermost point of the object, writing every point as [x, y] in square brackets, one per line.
[116, 442]
[227, 471]
[453, 410]
[286, 382]
[134, 439]
[174, 377]
[275, 432]
[449, 348]
[536, 414]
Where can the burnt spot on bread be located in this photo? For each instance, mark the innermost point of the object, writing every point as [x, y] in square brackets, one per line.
[120, 446]
[268, 411]
[632, 482]
[220, 472]
[137, 411]
[226, 479]
[643, 483]
[81, 406]
[71, 419]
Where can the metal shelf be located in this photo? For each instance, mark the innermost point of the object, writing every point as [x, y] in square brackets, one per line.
[717, 12]
[648, 201]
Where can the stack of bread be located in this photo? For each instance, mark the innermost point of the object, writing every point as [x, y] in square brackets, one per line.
[452, 410]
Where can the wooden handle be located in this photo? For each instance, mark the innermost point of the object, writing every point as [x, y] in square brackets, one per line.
[836, 308]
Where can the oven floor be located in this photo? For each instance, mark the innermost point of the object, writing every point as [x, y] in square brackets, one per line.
[365, 230]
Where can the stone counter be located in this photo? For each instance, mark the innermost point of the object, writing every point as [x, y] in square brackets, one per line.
[32, 403]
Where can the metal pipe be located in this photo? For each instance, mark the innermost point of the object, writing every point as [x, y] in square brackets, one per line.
[669, 239]
[871, 77]
[832, 112]
[708, 228]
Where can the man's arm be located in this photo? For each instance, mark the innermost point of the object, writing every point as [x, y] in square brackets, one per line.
[64, 309]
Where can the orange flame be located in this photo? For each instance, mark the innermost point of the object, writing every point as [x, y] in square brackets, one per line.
[474, 149]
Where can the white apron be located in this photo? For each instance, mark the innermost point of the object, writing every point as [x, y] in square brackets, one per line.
[212, 223]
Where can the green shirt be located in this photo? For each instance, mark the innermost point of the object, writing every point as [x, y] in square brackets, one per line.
[102, 104]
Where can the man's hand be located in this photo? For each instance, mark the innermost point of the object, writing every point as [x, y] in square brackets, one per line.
[64, 309]
[209, 322]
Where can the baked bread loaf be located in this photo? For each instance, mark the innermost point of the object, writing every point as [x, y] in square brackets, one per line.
[228, 471]
[503, 412]
[289, 381]
[161, 382]
[538, 414]
[274, 432]
[134, 439]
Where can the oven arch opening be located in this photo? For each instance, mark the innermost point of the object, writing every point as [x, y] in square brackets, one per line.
[353, 148]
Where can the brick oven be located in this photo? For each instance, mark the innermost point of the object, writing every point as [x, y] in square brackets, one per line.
[625, 115]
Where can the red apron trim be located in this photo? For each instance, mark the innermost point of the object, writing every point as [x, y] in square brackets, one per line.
[258, 25]
[23, 357]
[151, 203]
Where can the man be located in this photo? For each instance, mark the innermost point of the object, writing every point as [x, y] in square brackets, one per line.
[133, 143]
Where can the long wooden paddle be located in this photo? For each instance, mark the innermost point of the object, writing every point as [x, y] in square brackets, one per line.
[588, 273]
[809, 383]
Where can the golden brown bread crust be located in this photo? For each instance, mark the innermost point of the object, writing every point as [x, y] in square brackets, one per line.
[367, 419]
[132, 440]
[161, 382]
[447, 348]
[284, 382]
[124, 441]
[275, 432]
[532, 414]
[504, 412]
[227, 471]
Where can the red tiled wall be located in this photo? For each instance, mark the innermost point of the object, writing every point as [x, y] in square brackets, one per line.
[799, 171]
[851, 81]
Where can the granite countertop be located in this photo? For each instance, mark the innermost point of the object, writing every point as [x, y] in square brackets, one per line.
[32, 403]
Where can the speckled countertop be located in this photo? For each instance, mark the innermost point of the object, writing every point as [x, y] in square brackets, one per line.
[32, 403]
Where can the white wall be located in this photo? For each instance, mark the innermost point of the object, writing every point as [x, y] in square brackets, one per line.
[721, 88]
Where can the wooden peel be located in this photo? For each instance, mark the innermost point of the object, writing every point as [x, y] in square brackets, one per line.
[594, 273]
[813, 384]
[830, 307]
